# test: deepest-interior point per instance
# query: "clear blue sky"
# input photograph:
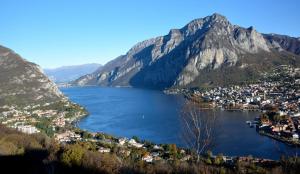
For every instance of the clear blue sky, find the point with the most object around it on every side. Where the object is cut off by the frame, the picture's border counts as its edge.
(53, 33)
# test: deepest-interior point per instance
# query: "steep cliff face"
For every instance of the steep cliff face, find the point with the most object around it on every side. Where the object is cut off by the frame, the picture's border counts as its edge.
(22, 82)
(199, 53)
(281, 42)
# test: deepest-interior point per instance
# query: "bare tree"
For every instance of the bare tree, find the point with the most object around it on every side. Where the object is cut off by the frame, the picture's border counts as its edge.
(197, 127)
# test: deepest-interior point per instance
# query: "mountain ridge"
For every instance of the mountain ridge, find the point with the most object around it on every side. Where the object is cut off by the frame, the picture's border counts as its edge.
(72, 72)
(185, 57)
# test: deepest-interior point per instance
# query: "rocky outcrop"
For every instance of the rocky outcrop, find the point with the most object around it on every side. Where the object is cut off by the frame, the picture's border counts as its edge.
(197, 54)
(23, 82)
(282, 42)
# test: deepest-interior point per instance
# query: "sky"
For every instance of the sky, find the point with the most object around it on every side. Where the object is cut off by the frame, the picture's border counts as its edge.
(54, 33)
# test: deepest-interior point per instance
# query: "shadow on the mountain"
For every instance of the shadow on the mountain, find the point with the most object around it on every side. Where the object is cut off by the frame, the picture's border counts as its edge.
(30, 162)
(35, 162)
(164, 72)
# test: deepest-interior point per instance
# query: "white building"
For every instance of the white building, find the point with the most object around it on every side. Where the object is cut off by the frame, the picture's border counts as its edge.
(28, 129)
(122, 141)
(135, 144)
(148, 158)
(104, 150)
(295, 136)
(157, 147)
(67, 136)
(296, 114)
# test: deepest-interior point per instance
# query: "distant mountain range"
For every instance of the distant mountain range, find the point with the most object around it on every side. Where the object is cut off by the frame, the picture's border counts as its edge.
(206, 52)
(69, 73)
(23, 83)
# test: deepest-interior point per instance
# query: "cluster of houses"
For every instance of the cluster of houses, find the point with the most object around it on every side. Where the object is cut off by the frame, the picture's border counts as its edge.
(45, 113)
(282, 127)
(7, 111)
(21, 118)
(125, 146)
(28, 129)
(235, 97)
(151, 153)
(59, 121)
(67, 136)
(131, 142)
(25, 119)
(279, 90)
(256, 161)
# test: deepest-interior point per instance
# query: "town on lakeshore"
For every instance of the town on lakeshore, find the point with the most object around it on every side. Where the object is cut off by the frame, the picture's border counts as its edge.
(276, 96)
(58, 120)
(150, 87)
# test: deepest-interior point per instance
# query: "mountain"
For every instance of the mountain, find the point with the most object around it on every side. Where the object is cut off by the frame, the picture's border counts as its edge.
(23, 82)
(69, 73)
(206, 52)
(282, 42)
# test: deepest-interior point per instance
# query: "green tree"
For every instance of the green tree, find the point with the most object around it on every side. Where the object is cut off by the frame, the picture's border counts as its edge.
(172, 148)
(72, 155)
(86, 135)
(209, 154)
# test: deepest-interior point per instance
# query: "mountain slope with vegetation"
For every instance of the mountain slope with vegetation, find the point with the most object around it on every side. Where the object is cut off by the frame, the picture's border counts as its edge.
(29, 100)
(23, 82)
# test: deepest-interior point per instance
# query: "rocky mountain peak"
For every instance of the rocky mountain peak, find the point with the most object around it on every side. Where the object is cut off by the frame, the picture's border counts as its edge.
(203, 24)
(217, 18)
(174, 32)
(141, 45)
(184, 56)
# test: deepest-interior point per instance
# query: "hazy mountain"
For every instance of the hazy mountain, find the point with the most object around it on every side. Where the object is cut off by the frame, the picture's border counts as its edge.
(207, 51)
(69, 73)
(23, 82)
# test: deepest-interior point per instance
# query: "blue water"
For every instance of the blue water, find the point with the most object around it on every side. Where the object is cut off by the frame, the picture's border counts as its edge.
(154, 116)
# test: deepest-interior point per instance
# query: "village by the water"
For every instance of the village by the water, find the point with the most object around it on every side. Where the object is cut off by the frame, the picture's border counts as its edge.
(277, 97)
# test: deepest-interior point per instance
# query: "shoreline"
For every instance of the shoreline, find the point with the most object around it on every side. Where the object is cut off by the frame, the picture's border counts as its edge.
(281, 139)
(78, 119)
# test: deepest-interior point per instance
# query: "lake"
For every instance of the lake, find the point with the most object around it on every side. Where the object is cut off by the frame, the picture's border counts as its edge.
(153, 115)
